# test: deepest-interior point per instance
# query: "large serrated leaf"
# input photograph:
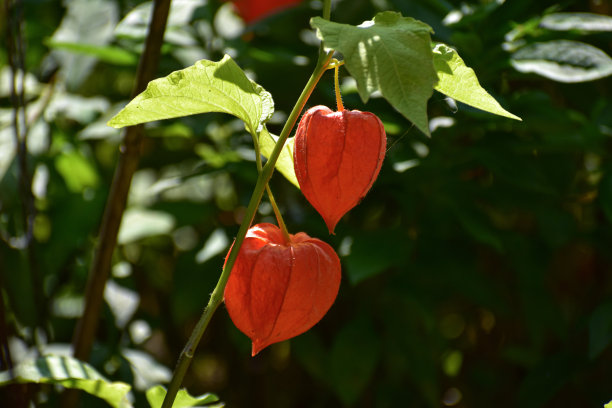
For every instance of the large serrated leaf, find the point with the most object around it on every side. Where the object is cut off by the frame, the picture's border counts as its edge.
(459, 81)
(70, 373)
(156, 395)
(206, 86)
(391, 54)
(563, 61)
(284, 164)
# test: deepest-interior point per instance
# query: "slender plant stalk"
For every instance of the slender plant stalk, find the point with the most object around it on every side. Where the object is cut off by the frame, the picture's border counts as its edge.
(339, 104)
(16, 59)
(262, 181)
(115, 205)
(277, 213)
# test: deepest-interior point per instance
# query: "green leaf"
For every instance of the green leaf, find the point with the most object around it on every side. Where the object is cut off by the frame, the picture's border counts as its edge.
(563, 61)
(459, 81)
(284, 164)
(206, 86)
(374, 252)
(577, 21)
(391, 54)
(608, 405)
(352, 362)
(106, 53)
(138, 223)
(70, 373)
(77, 171)
(605, 194)
(156, 395)
(600, 330)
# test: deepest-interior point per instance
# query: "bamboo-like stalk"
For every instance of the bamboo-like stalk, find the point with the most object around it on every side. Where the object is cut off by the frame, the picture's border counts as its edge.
(115, 204)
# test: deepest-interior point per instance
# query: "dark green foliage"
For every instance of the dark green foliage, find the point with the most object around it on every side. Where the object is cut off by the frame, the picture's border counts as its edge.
(480, 261)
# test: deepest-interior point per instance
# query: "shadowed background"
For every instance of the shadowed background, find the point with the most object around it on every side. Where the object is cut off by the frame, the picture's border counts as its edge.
(476, 272)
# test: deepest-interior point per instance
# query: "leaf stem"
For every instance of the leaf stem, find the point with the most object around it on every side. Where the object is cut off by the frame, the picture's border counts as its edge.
(339, 104)
(262, 181)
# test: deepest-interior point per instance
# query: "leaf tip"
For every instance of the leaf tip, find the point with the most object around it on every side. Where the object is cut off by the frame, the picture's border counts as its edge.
(115, 123)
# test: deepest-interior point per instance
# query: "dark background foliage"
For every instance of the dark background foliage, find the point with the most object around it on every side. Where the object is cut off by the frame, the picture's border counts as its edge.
(476, 273)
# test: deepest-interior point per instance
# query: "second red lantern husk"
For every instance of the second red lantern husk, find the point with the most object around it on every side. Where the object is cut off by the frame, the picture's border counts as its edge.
(278, 289)
(337, 158)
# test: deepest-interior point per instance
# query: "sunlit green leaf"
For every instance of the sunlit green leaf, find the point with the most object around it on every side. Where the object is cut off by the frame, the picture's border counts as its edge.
(135, 24)
(459, 81)
(87, 22)
(391, 54)
(563, 61)
(156, 395)
(138, 223)
(204, 87)
(577, 21)
(70, 373)
(146, 371)
(284, 164)
(77, 171)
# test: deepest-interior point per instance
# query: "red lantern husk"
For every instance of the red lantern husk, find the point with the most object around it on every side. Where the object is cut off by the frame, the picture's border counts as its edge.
(337, 157)
(277, 289)
(253, 10)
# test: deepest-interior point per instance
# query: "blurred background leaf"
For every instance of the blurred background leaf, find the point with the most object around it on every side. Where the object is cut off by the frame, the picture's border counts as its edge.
(476, 272)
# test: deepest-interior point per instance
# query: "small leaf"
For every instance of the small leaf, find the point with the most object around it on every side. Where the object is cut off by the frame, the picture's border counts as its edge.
(600, 330)
(156, 395)
(563, 61)
(459, 81)
(106, 53)
(138, 223)
(608, 405)
(391, 54)
(577, 21)
(284, 164)
(77, 171)
(70, 373)
(204, 87)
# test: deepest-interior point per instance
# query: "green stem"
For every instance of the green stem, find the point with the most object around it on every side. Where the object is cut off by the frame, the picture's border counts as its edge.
(262, 181)
(279, 216)
(277, 213)
(339, 105)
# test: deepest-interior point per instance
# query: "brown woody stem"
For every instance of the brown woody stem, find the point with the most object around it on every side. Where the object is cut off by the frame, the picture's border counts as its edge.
(115, 204)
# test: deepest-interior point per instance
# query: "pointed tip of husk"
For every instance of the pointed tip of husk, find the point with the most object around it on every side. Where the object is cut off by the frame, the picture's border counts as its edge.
(257, 347)
(331, 226)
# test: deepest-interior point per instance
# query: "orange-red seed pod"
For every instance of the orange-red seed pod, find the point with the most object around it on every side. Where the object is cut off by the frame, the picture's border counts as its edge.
(337, 157)
(277, 289)
(253, 10)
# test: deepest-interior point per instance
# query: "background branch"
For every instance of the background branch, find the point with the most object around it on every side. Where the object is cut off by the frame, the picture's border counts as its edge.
(116, 202)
